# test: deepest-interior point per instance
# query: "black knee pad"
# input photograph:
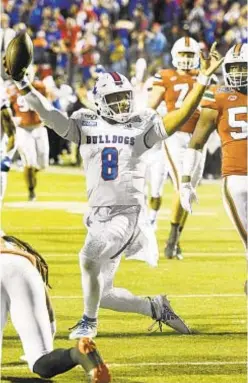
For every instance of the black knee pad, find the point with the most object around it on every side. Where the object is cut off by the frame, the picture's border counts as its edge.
(42, 368)
(56, 362)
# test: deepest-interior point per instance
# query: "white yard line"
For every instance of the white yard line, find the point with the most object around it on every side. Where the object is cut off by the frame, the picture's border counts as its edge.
(170, 296)
(176, 364)
(113, 365)
(190, 255)
(78, 207)
(52, 194)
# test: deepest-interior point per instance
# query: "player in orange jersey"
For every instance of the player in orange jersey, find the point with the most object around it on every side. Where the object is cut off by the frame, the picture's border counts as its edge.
(224, 108)
(32, 137)
(172, 86)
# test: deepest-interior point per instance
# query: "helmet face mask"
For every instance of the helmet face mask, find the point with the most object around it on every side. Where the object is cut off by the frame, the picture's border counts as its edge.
(185, 54)
(113, 96)
(186, 60)
(235, 69)
(119, 103)
(237, 75)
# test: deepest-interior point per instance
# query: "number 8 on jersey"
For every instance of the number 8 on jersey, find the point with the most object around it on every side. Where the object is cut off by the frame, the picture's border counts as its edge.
(109, 164)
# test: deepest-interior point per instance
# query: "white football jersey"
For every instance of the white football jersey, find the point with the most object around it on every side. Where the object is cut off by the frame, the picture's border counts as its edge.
(115, 171)
(114, 167)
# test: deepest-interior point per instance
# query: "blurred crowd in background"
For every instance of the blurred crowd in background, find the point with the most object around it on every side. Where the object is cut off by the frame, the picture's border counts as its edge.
(72, 38)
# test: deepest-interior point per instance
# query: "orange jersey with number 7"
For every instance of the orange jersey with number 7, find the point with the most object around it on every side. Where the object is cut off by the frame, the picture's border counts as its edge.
(232, 127)
(177, 86)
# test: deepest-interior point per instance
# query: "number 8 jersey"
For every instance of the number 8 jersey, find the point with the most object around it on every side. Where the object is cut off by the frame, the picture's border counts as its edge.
(112, 156)
(232, 126)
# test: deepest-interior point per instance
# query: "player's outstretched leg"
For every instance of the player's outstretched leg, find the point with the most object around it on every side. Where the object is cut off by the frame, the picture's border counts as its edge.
(85, 354)
(163, 313)
(158, 308)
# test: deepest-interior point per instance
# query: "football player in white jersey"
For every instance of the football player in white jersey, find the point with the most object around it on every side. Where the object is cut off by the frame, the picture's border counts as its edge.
(111, 144)
(7, 144)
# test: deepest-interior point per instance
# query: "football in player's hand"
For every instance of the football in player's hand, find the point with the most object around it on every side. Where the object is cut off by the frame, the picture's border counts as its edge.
(18, 57)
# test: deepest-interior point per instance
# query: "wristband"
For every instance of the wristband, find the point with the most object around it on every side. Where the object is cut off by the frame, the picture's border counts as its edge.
(203, 79)
(5, 164)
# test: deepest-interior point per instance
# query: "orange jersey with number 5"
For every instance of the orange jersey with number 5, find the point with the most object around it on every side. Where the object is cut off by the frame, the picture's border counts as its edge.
(21, 109)
(177, 86)
(232, 126)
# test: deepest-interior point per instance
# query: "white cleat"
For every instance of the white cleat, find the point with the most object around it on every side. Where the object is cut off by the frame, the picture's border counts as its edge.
(84, 328)
(163, 313)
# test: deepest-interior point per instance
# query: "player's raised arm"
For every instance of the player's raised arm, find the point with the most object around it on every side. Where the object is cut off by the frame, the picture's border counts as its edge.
(52, 117)
(175, 119)
(18, 57)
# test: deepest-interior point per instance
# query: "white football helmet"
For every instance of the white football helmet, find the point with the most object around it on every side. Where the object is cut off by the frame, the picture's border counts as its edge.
(184, 45)
(238, 54)
(113, 96)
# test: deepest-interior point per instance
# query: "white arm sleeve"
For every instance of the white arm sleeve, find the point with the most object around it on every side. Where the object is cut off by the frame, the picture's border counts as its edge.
(156, 133)
(191, 161)
(65, 127)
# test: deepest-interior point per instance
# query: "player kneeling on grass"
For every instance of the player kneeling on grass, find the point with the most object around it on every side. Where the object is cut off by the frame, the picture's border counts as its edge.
(24, 281)
(112, 142)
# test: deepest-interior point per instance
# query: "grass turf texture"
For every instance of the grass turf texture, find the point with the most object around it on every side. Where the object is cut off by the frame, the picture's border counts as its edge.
(206, 288)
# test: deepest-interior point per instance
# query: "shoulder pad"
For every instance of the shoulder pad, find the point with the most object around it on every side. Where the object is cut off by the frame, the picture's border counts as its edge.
(147, 113)
(84, 114)
(142, 118)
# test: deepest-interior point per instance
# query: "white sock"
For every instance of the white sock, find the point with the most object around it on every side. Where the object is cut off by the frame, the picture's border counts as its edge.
(118, 299)
(153, 215)
(92, 283)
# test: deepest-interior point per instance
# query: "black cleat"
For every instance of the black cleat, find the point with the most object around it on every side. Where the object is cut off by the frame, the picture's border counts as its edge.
(173, 250)
(170, 250)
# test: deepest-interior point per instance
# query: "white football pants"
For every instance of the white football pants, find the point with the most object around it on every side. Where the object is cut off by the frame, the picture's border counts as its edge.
(235, 193)
(33, 146)
(175, 148)
(112, 231)
(23, 296)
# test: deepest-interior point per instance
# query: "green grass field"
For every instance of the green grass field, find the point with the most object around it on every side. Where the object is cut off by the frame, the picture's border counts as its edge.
(206, 288)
